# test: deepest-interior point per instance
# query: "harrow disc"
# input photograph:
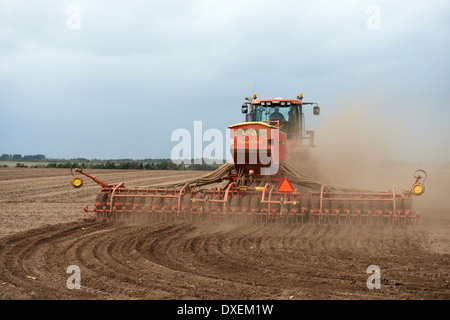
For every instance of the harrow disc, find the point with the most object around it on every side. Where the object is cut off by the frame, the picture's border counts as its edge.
(268, 206)
(239, 202)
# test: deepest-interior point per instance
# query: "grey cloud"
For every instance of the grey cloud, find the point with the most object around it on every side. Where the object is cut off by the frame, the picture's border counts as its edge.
(136, 61)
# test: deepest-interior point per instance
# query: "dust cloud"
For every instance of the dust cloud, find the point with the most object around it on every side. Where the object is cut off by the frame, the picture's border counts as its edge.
(355, 145)
(358, 146)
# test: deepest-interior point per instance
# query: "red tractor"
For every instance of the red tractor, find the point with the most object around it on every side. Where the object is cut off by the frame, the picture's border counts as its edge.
(273, 132)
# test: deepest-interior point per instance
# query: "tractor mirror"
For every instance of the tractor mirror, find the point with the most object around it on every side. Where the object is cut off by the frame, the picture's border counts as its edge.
(244, 108)
(316, 110)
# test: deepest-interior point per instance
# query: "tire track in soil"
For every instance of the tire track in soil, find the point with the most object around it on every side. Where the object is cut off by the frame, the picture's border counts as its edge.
(200, 261)
(23, 264)
(199, 265)
(190, 261)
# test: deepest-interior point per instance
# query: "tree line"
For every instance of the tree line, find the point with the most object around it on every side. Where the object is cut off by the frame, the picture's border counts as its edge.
(19, 157)
(135, 165)
(124, 164)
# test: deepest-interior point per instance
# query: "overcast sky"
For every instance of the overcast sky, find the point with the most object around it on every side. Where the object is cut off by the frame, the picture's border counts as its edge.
(114, 79)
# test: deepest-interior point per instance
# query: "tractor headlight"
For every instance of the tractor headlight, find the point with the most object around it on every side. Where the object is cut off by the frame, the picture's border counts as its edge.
(77, 182)
(418, 189)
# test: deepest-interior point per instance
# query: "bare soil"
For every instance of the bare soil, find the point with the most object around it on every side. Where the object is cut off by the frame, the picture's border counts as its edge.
(42, 233)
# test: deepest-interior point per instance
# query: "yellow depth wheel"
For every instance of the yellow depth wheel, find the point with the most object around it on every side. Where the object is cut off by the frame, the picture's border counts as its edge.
(418, 189)
(77, 182)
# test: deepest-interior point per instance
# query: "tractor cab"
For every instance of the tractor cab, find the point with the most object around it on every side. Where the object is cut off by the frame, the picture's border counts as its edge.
(285, 114)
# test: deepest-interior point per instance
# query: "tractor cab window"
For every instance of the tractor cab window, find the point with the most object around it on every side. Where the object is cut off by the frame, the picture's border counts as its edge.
(287, 115)
(273, 112)
(276, 115)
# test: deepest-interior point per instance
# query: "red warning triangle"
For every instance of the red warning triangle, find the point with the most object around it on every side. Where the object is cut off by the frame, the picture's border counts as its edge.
(285, 186)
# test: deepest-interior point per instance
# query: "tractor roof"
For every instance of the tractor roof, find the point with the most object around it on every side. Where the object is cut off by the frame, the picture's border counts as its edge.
(278, 101)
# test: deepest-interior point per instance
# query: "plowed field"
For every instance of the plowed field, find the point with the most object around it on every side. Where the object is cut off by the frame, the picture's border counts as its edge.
(42, 233)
